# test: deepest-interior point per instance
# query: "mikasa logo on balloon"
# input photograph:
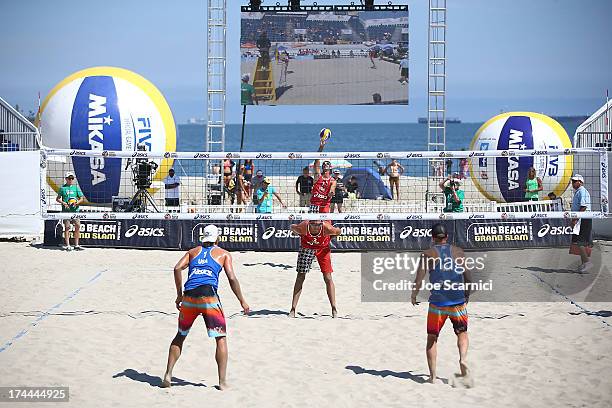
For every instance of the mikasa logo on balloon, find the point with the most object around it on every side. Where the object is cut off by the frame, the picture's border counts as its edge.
(106, 109)
(513, 132)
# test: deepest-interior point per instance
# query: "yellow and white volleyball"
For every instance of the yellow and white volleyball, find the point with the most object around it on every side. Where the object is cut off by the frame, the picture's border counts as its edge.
(105, 109)
(72, 202)
(502, 179)
(325, 134)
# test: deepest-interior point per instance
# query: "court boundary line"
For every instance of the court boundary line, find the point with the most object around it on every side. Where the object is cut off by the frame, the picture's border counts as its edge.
(49, 311)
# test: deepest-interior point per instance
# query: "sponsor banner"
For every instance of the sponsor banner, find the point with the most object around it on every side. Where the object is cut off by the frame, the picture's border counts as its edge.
(233, 235)
(523, 233)
(118, 233)
(358, 235)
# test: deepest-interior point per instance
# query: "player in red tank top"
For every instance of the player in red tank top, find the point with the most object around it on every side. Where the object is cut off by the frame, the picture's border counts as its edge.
(315, 237)
(324, 187)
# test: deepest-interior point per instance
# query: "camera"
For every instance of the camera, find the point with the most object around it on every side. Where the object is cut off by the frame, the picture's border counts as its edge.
(142, 171)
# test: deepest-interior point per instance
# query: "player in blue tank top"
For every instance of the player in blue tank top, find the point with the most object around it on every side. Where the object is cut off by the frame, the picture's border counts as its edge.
(200, 297)
(449, 296)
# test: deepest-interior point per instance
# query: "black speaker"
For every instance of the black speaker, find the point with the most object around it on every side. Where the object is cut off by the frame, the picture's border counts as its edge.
(121, 204)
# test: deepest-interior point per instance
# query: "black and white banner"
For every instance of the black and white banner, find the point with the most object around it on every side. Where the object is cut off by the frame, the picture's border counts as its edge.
(358, 235)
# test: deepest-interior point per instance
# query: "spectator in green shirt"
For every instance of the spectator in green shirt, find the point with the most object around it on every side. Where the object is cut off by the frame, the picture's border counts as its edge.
(247, 92)
(71, 197)
(453, 194)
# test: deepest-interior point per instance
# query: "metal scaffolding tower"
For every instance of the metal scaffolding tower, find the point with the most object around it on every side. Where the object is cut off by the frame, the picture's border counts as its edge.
(216, 82)
(436, 95)
(436, 76)
(216, 93)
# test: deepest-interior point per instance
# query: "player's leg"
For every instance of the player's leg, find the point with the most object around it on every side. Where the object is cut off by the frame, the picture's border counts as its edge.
(221, 358)
(324, 260)
(435, 320)
(431, 350)
(77, 232)
(304, 262)
(459, 319)
(66, 234)
(186, 318)
(173, 355)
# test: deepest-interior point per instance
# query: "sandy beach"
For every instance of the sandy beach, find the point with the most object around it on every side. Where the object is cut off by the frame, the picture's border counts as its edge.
(110, 317)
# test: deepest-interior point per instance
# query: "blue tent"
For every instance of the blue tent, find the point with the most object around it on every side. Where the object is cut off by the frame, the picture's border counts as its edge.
(370, 184)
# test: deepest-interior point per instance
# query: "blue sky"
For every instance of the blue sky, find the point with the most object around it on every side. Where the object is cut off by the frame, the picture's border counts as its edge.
(550, 56)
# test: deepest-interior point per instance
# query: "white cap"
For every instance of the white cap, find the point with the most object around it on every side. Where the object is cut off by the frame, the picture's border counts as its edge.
(69, 174)
(245, 77)
(578, 177)
(211, 233)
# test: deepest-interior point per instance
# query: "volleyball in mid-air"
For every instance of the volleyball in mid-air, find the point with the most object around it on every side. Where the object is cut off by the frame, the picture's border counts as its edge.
(325, 134)
(503, 179)
(105, 109)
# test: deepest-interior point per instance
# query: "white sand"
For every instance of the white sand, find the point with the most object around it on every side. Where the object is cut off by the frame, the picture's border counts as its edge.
(109, 342)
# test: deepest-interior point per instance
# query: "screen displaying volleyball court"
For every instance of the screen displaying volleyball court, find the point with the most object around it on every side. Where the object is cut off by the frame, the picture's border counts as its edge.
(324, 58)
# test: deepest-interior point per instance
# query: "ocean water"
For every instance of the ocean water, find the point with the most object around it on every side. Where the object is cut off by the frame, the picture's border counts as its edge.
(346, 137)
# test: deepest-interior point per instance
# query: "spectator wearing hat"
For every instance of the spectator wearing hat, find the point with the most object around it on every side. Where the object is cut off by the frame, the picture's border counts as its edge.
(265, 200)
(339, 194)
(256, 183)
(70, 197)
(581, 238)
(247, 91)
(451, 186)
(173, 193)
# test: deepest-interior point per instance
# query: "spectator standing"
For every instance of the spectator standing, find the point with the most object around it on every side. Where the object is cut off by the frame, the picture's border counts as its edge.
(339, 194)
(265, 197)
(453, 194)
(352, 187)
(173, 194)
(303, 187)
(582, 240)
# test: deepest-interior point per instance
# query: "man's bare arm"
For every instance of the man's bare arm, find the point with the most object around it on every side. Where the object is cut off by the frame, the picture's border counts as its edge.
(418, 280)
(299, 229)
(333, 231)
(233, 281)
(317, 162)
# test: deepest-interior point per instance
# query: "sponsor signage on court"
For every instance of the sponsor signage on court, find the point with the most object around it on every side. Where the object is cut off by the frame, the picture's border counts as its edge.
(357, 235)
(138, 233)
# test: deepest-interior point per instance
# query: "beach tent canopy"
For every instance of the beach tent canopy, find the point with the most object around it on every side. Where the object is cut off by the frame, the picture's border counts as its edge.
(370, 184)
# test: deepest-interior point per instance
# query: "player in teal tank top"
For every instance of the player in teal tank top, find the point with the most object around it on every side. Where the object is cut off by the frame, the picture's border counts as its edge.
(446, 266)
(200, 297)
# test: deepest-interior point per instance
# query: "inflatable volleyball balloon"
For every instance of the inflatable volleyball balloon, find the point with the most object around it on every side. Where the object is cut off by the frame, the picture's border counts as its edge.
(503, 179)
(105, 108)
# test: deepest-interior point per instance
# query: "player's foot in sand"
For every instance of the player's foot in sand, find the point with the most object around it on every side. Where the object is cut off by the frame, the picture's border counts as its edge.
(291, 313)
(465, 371)
(223, 386)
(334, 312)
(432, 380)
(166, 382)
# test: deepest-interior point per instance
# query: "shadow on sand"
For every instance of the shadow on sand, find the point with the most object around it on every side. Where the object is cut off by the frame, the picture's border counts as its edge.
(152, 380)
(407, 375)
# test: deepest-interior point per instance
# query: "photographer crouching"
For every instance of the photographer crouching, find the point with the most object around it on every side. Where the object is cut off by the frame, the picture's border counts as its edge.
(453, 194)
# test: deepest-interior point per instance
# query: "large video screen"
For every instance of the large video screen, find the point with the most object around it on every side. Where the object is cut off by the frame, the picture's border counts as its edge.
(324, 58)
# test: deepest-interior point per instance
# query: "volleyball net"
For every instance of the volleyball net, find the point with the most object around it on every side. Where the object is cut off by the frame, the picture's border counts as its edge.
(491, 184)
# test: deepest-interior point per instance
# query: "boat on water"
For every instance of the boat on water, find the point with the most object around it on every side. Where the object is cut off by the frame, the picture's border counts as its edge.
(448, 120)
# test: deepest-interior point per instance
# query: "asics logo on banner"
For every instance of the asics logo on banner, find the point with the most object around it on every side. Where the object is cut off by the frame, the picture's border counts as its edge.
(352, 155)
(202, 217)
(604, 170)
(352, 217)
(414, 217)
(280, 233)
(409, 155)
(548, 230)
(409, 231)
(264, 217)
(201, 156)
(77, 153)
(539, 152)
(144, 232)
(263, 156)
(140, 154)
(477, 154)
(538, 215)
(476, 216)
